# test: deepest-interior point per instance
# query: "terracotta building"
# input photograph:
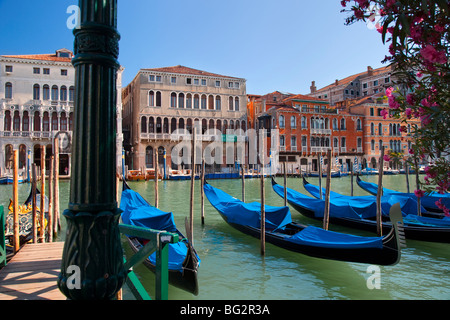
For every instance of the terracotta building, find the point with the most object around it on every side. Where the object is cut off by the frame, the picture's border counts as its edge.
(162, 102)
(307, 128)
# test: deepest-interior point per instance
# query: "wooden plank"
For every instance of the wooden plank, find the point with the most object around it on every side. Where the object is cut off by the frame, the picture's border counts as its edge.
(32, 273)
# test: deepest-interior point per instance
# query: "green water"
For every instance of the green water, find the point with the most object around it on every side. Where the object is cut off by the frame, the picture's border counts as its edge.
(233, 269)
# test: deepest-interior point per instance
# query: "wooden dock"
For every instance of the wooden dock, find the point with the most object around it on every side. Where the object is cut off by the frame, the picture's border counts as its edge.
(32, 273)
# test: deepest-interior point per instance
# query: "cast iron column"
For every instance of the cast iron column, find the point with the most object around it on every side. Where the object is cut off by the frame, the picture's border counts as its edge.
(92, 265)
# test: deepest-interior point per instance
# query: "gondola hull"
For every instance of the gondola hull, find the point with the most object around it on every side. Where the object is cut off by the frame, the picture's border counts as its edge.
(186, 280)
(387, 254)
(416, 232)
(184, 263)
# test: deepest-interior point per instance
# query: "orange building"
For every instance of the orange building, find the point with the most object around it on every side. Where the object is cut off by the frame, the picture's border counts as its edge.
(307, 128)
(391, 133)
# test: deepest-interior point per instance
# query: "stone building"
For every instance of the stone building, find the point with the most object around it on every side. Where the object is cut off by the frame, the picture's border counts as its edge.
(36, 105)
(159, 103)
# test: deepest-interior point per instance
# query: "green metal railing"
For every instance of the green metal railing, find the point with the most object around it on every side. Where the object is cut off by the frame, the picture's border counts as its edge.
(2, 239)
(158, 241)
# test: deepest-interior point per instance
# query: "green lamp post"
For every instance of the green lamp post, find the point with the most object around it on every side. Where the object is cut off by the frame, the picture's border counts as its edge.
(92, 263)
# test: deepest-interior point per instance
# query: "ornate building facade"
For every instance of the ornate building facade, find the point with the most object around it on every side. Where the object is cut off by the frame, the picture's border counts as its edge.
(160, 102)
(36, 105)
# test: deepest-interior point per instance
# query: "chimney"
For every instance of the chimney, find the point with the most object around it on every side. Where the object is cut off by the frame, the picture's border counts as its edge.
(336, 83)
(313, 87)
(370, 71)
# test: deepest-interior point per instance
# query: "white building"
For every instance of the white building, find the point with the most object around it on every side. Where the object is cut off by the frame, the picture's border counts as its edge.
(36, 105)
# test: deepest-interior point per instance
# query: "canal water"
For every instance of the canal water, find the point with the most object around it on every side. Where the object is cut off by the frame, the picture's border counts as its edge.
(232, 267)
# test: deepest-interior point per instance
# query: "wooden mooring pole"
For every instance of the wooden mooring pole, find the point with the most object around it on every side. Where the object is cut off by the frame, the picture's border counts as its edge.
(379, 194)
(419, 205)
(243, 183)
(202, 192)
(42, 200)
(56, 213)
(263, 200)
(16, 201)
(156, 179)
(285, 183)
(326, 214)
(34, 178)
(50, 201)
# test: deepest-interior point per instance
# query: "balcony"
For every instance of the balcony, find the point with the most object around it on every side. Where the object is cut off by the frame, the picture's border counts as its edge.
(321, 131)
(320, 149)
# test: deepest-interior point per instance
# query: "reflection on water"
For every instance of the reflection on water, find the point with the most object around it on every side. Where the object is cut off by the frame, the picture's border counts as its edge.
(232, 267)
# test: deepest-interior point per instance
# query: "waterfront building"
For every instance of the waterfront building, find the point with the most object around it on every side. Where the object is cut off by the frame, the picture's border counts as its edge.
(380, 131)
(161, 102)
(307, 128)
(36, 105)
(362, 84)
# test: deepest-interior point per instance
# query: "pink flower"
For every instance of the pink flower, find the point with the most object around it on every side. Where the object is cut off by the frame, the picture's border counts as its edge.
(384, 113)
(393, 104)
(410, 99)
(408, 112)
(411, 151)
(419, 193)
(389, 91)
(386, 158)
(430, 54)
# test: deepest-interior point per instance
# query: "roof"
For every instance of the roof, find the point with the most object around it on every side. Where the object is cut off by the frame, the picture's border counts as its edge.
(302, 97)
(353, 77)
(43, 57)
(179, 69)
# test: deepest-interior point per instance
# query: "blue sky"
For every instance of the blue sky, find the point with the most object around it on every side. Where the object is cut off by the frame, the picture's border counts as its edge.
(276, 45)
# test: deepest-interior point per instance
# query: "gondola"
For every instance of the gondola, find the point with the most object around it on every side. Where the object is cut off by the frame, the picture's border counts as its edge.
(25, 215)
(428, 201)
(362, 217)
(183, 259)
(308, 240)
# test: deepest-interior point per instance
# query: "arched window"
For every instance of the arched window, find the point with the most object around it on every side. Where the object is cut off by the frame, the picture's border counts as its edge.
(188, 101)
(196, 101)
(281, 121)
(46, 122)
(55, 93)
(211, 103)
(358, 124)
(63, 93)
(151, 125)
(63, 122)
(372, 129)
(218, 103)
(343, 127)
(293, 122)
(71, 93)
(304, 123)
(71, 121)
(16, 121)
(158, 125)
(7, 122)
(158, 99)
(166, 125)
(8, 90)
(372, 145)
(36, 92)
(25, 121)
(173, 100)
(151, 99)
(203, 101)
(236, 104)
(37, 121)
(144, 125)
(230, 104)
(181, 100)
(54, 121)
(149, 157)
(46, 92)
(380, 129)
(335, 124)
